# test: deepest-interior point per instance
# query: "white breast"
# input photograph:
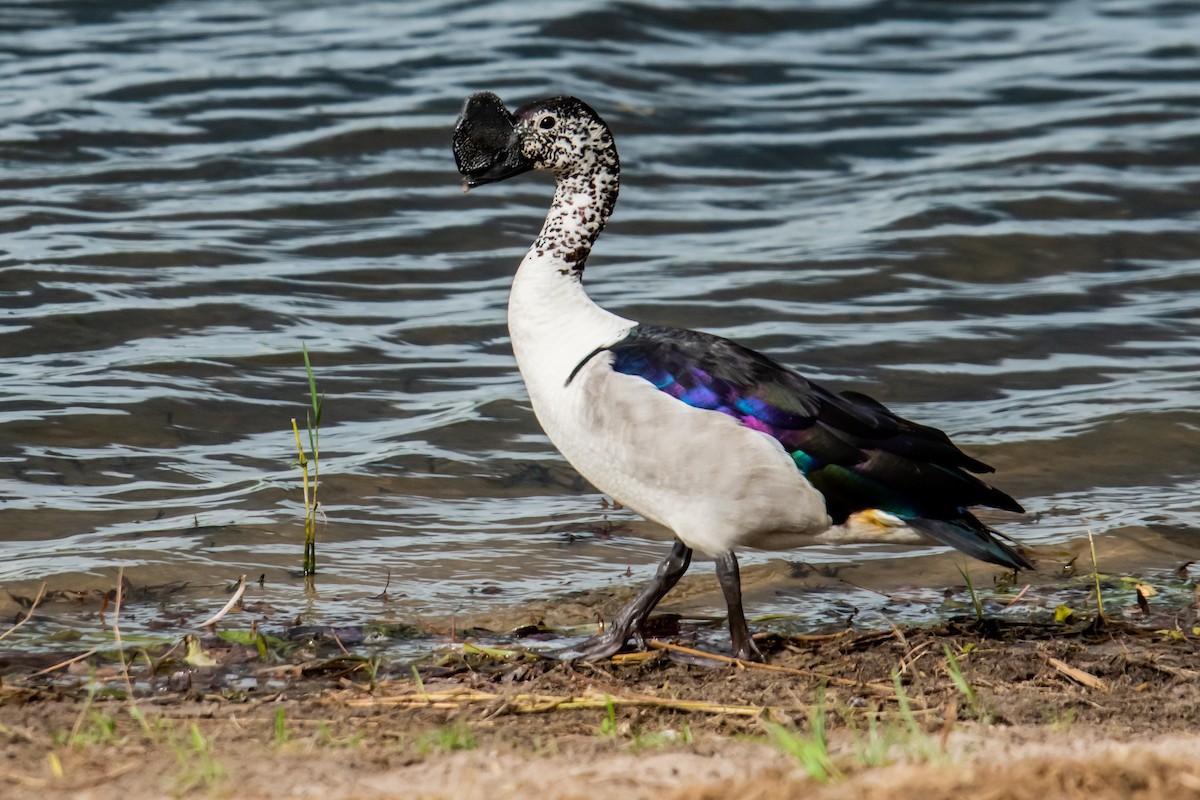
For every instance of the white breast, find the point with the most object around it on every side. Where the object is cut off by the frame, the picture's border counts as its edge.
(717, 484)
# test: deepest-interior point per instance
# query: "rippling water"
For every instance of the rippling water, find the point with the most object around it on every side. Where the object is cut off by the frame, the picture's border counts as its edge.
(986, 215)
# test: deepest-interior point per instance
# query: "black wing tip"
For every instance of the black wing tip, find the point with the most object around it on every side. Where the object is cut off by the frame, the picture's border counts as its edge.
(1003, 501)
(1014, 558)
(969, 535)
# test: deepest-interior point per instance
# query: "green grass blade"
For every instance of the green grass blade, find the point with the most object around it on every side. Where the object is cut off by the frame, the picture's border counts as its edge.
(312, 386)
(971, 591)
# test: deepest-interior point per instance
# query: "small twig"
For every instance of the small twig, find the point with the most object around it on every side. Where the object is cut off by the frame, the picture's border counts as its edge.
(661, 645)
(539, 703)
(384, 595)
(1020, 594)
(66, 663)
(914, 655)
(31, 781)
(816, 637)
(116, 627)
(24, 780)
(899, 634)
(41, 593)
(233, 601)
(635, 658)
(1079, 676)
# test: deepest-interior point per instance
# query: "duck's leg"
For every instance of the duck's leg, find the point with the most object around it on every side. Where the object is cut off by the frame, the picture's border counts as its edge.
(629, 619)
(731, 584)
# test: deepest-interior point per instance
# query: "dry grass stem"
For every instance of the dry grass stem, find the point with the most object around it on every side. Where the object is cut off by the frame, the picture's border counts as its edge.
(41, 593)
(116, 628)
(817, 637)
(1020, 594)
(1079, 676)
(66, 663)
(677, 648)
(233, 601)
(420, 697)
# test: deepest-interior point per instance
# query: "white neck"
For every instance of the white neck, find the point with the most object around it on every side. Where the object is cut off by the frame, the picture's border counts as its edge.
(553, 323)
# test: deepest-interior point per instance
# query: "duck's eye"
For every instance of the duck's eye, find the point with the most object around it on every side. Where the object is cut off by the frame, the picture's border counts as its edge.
(547, 122)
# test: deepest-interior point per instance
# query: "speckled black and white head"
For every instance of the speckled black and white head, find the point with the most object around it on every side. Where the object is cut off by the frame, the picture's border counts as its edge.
(559, 135)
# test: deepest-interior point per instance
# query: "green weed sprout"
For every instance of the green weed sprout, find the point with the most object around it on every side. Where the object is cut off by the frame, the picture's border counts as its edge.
(810, 752)
(608, 726)
(313, 419)
(964, 687)
(971, 591)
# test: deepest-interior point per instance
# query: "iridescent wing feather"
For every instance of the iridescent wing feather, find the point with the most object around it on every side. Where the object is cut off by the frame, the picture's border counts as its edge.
(855, 451)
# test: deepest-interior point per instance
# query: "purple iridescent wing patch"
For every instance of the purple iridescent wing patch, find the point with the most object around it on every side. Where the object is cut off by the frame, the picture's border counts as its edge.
(852, 449)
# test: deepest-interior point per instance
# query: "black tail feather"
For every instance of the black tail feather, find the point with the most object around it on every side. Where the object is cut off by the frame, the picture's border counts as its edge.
(973, 538)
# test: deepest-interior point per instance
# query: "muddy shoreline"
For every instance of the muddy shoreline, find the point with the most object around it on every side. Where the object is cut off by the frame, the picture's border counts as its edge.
(1091, 708)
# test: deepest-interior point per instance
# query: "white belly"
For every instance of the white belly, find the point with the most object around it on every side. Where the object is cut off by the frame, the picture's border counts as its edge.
(717, 484)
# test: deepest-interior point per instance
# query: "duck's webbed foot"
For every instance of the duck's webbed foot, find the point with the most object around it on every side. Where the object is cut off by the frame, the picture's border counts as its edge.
(603, 645)
(730, 579)
(628, 621)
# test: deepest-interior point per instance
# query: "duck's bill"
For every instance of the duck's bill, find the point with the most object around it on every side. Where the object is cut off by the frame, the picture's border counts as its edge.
(485, 145)
(506, 167)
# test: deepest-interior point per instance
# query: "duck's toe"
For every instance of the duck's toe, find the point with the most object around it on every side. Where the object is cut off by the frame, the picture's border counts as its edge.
(602, 645)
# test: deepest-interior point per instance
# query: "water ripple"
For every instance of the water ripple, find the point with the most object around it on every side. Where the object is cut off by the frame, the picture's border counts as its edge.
(983, 214)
